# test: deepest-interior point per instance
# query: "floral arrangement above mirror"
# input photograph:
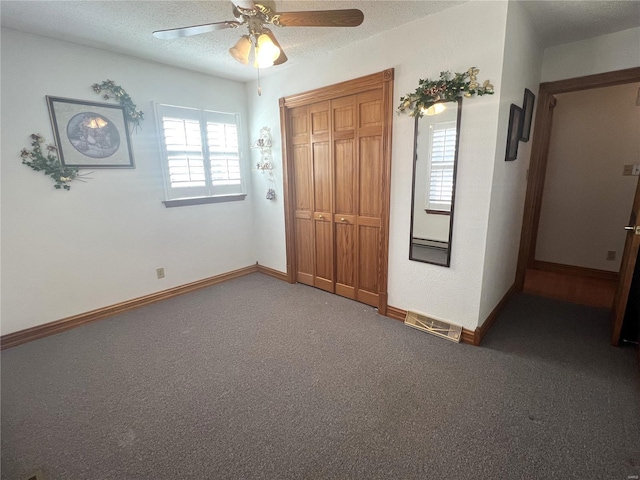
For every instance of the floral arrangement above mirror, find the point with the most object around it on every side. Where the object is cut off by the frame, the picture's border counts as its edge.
(447, 88)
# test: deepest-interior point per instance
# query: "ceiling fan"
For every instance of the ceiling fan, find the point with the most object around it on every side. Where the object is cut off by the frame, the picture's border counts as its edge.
(260, 39)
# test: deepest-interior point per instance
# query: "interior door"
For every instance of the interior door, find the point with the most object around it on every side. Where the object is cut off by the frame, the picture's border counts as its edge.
(629, 257)
(369, 139)
(302, 195)
(322, 195)
(344, 112)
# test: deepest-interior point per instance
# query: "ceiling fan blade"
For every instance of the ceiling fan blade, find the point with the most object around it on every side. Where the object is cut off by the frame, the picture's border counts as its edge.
(320, 18)
(194, 30)
(283, 57)
(244, 4)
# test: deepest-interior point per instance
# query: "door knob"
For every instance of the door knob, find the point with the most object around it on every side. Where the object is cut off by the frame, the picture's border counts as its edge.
(342, 219)
(633, 228)
(629, 227)
(320, 216)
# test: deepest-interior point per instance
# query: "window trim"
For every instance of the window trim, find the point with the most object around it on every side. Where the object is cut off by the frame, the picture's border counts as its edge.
(224, 193)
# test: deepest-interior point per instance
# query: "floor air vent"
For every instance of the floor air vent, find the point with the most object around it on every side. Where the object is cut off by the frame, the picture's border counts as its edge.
(433, 326)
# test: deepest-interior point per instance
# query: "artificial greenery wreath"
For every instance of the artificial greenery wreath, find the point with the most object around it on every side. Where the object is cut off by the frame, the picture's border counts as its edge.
(49, 163)
(445, 89)
(109, 89)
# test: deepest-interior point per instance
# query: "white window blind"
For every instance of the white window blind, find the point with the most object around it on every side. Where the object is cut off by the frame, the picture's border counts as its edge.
(443, 153)
(202, 152)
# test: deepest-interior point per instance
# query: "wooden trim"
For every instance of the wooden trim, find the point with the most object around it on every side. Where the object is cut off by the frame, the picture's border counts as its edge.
(482, 330)
(272, 273)
(599, 80)
(387, 134)
(288, 194)
(343, 89)
(469, 337)
(540, 149)
(573, 270)
(185, 202)
(396, 313)
(58, 326)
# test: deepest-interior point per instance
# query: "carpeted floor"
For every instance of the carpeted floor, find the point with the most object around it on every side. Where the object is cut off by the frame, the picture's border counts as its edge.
(256, 378)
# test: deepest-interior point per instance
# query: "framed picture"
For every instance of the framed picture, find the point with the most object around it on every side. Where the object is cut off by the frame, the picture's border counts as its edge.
(513, 135)
(527, 106)
(89, 134)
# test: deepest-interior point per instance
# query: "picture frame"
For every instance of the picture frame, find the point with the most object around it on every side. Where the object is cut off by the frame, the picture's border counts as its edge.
(527, 107)
(514, 132)
(90, 134)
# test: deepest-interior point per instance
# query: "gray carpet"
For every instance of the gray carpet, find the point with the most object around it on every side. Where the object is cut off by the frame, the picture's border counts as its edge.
(256, 378)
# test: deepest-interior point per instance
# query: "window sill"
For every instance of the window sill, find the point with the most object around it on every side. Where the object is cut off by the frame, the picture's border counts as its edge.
(185, 202)
(437, 212)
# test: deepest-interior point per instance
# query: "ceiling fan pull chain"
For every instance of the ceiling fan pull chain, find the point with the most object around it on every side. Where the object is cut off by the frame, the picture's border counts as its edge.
(259, 87)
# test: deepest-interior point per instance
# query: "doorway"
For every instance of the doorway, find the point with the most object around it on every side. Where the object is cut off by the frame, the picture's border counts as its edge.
(612, 287)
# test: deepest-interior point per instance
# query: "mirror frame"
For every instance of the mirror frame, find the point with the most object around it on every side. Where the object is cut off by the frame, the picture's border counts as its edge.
(453, 195)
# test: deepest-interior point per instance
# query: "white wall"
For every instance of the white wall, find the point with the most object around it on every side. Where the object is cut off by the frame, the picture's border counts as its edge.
(606, 53)
(65, 253)
(586, 198)
(471, 34)
(522, 63)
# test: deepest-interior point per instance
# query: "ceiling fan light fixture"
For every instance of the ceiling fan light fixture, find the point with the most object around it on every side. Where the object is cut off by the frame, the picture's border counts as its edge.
(282, 57)
(266, 52)
(240, 51)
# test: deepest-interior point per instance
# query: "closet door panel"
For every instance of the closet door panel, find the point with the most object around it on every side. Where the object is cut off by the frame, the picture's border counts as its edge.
(324, 254)
(345, 255)
(368, 264)
(303, 194)
(346, 176)
(370, 164)
(322, 195)
(322, 177)
(344, 115)
(305, 250)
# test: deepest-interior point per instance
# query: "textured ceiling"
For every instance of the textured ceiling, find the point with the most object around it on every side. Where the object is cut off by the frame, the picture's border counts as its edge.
(560, 22)
(126, 26)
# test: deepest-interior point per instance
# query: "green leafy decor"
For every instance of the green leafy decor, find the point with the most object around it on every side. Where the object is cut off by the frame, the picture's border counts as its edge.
(49, 163)
(108, 89)
(447, 88)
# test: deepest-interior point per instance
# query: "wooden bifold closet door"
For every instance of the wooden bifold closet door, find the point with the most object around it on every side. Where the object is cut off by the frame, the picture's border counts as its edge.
(338, 182)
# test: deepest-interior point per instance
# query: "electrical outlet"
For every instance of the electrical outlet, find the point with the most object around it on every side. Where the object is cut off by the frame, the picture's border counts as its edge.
(611, 255)
(160, 272)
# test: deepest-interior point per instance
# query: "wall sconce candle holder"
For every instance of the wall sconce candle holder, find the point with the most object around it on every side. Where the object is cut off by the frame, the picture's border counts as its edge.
(265, 164)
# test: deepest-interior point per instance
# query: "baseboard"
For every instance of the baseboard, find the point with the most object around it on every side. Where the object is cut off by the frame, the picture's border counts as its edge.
(273, 273)
(573, 270)
(58, 326)
(482, 330)
(396, 313)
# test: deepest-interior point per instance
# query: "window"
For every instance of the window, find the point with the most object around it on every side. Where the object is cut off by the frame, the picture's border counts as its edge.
(443, 154)
(202, 154)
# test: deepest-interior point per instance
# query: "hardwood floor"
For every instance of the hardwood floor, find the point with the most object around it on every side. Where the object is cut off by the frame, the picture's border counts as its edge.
(571, 287)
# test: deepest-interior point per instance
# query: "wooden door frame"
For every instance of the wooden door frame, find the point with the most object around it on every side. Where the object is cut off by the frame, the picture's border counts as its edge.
(540, 150)
(383, 80)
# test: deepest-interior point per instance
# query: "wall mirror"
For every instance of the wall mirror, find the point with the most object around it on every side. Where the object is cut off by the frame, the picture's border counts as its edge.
(435, 157)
